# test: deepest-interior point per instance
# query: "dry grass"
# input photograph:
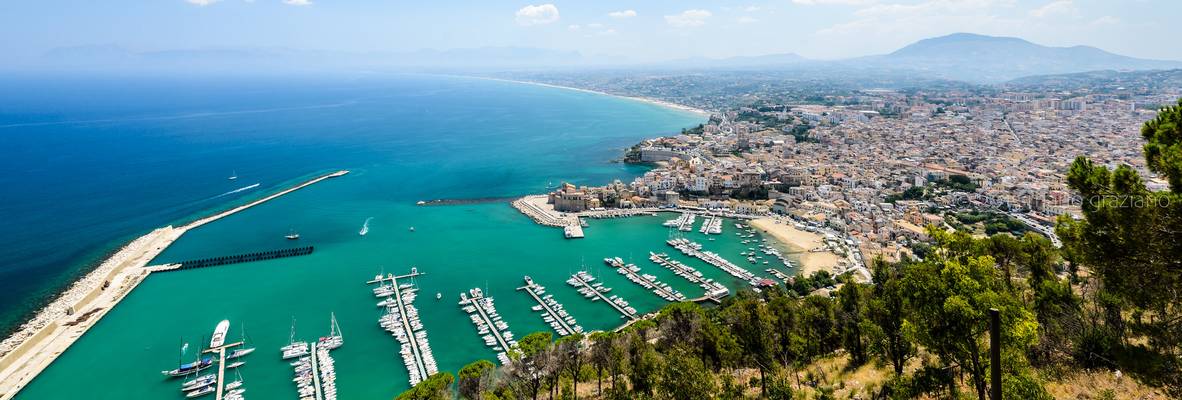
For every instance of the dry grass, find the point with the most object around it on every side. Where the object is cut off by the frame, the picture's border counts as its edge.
(1095, 385)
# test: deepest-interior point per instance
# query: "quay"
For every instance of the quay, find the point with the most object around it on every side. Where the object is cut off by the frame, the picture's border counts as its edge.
(632, 272)
(28, 351)
(483, 314)
(565, 325)
(582, 282)
(402, 321)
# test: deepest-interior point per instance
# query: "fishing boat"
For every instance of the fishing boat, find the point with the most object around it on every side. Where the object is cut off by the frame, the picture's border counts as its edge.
(233, 175)
(292, 235)
(438, 295)
(219, 334)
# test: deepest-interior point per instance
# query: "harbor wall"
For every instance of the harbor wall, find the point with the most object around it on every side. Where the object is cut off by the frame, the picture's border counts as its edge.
(25, 347)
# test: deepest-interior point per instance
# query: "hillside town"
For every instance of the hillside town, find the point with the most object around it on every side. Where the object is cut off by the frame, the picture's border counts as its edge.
(883, 165)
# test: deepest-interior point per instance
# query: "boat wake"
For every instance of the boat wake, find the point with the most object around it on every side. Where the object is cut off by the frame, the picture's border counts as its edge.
(241, 189)
(365, 227)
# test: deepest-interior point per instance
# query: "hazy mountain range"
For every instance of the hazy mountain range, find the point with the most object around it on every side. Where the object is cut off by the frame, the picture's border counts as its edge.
(960, 56)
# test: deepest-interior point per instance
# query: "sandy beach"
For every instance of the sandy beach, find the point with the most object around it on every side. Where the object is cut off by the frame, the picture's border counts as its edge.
(801, 242)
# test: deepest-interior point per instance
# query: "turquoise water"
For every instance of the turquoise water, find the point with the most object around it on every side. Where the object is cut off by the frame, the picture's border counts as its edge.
(404, 140)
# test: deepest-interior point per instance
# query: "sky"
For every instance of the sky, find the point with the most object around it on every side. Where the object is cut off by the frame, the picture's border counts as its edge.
(628, 31)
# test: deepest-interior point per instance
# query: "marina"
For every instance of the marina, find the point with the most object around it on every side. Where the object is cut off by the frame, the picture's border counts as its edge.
(647, 281)
(684, 222)
(553, 313)
(489, 325)
(712, 225)
(692, 249)
(218, 386)
(713, 290)
(583, 282)
(314, 368)
(401, 319)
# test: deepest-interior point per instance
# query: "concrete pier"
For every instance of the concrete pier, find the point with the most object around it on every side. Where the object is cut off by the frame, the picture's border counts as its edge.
(530, 288)
(416, 351)
(582, 283)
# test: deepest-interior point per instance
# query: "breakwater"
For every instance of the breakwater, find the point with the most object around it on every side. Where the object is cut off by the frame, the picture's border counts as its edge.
(242, 258)
(458, 202)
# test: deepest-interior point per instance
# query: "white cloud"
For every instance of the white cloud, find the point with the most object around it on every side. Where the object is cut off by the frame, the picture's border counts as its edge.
(537, 15)
(574, 27)
(622, 14)
(1055, 9)
(688, 19)
(746, 20)
(594, 25)
(298, 2)
(202, 3)
(751, 8)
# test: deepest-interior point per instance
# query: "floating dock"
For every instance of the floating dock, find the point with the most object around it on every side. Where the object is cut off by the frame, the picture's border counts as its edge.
(221, 352)
(553, 312)
(692, 249)
(712, 225)
(582, 281)
(650, 282)
(488, 323)
(402, 321)
(684, 222)
(779, 275)
(713, 290)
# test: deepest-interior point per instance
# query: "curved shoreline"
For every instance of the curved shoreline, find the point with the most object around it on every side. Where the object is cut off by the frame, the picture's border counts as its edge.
(662, 103)
(38, 342)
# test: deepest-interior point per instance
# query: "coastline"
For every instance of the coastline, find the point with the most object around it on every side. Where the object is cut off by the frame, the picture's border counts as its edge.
(38, 342)
(800, 242)
(662, 103)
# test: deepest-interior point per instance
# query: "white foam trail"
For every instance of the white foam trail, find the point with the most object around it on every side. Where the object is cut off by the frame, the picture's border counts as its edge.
(184, 348)
(365, 227)
(244, 188)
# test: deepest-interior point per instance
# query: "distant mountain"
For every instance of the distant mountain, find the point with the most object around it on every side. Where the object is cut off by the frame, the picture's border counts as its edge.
(981, 58)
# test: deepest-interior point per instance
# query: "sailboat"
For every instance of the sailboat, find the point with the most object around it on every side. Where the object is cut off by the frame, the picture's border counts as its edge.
(241, 351)
(294, 349)
(292, 235)
(334, 338)
(233, 175)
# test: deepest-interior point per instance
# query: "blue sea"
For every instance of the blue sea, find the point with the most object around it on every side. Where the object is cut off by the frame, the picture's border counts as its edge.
(92, 161)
